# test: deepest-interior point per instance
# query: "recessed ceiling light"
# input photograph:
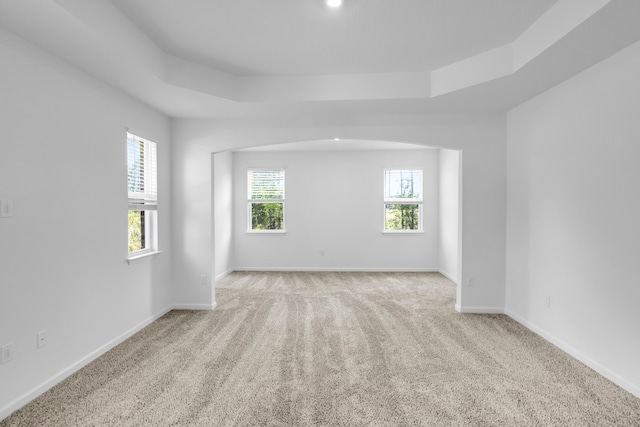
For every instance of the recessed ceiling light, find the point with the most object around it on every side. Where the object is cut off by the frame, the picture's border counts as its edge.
(336, 139)
(334, 3)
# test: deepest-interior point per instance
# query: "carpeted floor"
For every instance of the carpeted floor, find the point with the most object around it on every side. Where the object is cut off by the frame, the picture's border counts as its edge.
(335, 349)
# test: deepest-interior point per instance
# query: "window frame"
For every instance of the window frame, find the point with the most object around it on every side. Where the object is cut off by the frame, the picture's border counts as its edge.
(251, 201)
(387, 200)
(146, 200)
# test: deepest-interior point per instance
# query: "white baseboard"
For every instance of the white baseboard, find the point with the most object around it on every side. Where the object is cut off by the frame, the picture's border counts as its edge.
(449, 276)
(37, 391)
(208, 307)
(605, 372)
(340, 269)
(51, 382)
(223, 275)
(479, 310)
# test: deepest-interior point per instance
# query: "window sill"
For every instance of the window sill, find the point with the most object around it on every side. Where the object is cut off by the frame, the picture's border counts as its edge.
(142, 257)
(267, 232)
(399, 232)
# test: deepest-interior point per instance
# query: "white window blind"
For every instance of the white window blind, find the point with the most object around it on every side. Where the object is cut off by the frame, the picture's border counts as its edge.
(142, 180)
(265, 184)
(403, 186)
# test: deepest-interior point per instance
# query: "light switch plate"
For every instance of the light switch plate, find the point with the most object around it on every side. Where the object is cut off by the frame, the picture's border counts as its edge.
(6, 353)
(6, 208)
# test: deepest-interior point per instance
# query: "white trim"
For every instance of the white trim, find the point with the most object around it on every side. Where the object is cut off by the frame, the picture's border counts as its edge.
(283, 231)
(449, 276)
(479, 310)
(340, 269)
(605, 372)
(461, 252)
(51, 382)
(403, 232)
(223, 275)
(141, 257)
(205, 307)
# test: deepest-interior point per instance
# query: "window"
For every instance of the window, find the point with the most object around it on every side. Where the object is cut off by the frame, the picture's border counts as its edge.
(143, 195)
(265, 195)
(403, 200)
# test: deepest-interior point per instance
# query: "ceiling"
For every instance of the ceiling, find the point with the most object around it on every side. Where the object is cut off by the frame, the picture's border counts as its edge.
(339, 145)
(294, 37)
(285, 59)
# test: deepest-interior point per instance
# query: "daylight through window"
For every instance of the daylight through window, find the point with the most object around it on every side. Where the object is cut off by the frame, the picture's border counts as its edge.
(403, 200)
(143, 194)
(265, 195)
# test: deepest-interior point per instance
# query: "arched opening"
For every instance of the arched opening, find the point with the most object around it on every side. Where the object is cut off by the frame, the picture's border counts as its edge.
(336, 230)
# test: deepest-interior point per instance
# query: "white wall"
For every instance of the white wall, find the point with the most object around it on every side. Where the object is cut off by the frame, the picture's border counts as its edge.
(573, 232)
(62, 255)
(481, 138)
(223, 213)
(334, 204)
(448, 211)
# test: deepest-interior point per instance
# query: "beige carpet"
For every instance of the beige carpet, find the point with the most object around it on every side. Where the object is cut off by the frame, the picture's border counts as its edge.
(335, 349)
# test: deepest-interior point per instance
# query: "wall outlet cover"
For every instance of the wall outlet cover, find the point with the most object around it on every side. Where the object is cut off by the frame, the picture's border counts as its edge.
(6, 354)
(41, 339)
(6, 208)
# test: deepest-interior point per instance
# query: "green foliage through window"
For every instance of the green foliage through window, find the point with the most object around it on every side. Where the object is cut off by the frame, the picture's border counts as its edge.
(136, 231)
(267, 216)
(402, 217)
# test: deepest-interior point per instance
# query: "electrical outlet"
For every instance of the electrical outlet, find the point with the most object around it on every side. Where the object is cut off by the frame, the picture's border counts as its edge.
(41, 339)
(471, 282)
(6, 354)
(203, 280)
(321, 252)
(6, 208)
(547, 301)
